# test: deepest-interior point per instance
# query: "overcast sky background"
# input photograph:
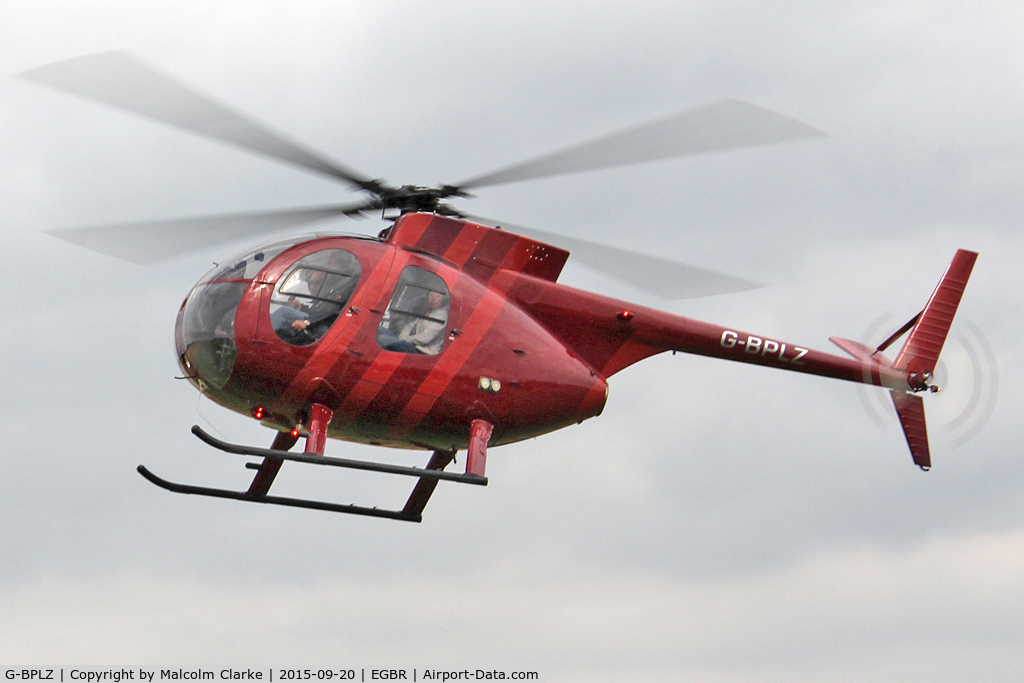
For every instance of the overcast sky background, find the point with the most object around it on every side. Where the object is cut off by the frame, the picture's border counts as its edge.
(719, 522)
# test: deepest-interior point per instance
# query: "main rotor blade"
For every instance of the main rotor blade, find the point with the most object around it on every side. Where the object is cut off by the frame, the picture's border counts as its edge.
(120, 80)
(722, 125)
(669, 279)
(154, 241)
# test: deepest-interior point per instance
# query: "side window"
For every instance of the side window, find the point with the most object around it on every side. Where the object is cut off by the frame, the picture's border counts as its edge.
(311, 295)
(417, 316)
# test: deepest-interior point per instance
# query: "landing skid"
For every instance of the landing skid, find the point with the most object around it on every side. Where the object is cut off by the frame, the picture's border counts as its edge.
(314, 459)
(315, 440)
(276, 500)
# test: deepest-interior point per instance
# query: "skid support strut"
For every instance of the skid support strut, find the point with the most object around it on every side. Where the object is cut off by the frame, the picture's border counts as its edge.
(316, 438)
(476, 457)
(268, 469)
(319, 417)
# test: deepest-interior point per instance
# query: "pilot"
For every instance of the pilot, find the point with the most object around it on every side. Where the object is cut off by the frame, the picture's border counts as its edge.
(424, 334)
(328, 303)
(290, 319)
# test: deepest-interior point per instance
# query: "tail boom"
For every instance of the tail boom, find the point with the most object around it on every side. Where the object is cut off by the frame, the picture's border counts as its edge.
(612, 335)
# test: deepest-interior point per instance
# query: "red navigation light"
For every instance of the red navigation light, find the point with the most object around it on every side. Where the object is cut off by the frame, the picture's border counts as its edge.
(625, 315)
(295, 433)
(258, 412)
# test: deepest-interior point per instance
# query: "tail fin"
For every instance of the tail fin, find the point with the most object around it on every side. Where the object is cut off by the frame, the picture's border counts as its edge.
(910, 409)
(921, 352)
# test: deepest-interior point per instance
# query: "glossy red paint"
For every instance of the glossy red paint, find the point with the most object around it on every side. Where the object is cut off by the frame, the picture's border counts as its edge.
(319, 417)
(406, 399)
(476, 456)
(522, 353)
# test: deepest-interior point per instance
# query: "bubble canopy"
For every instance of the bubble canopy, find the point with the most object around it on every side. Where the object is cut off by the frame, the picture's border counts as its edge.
(208, 319)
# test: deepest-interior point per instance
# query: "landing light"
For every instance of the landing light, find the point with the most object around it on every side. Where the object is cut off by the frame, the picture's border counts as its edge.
(488, 384)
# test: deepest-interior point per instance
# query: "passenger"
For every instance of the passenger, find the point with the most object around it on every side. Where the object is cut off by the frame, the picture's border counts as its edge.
(424, 334)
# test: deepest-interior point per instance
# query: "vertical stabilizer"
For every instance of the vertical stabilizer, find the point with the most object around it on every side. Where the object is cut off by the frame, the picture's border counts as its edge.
(921, 352)
(910, 409)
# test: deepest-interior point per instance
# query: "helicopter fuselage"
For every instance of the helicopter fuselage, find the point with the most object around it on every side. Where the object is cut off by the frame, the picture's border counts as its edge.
(494, 361)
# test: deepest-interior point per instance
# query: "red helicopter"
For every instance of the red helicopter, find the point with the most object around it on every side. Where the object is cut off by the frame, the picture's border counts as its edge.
(442, 333)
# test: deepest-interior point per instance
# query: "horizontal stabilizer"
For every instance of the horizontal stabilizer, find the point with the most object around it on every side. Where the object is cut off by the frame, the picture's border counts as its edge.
(861, 352)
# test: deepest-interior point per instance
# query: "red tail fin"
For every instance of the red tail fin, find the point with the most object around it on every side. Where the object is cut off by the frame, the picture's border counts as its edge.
(921, 352)
(910, 408)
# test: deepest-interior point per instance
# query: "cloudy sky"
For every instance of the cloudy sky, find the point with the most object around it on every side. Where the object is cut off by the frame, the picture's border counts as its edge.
(718, 522)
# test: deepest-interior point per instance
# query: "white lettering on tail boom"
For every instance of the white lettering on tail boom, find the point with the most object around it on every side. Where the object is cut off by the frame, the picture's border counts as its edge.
(759, 346)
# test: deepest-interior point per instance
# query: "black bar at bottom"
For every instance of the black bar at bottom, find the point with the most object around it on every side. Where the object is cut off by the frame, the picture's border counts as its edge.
(277, 500)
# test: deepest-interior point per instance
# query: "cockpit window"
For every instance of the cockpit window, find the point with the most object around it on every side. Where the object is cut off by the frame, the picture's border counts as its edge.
(208, 328)
(246, 265)
(310, 296)
(416, 319)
